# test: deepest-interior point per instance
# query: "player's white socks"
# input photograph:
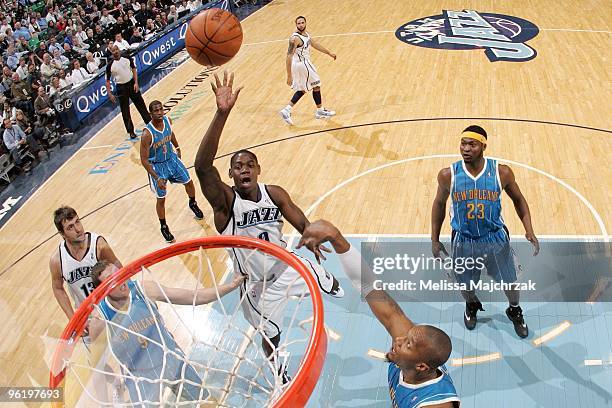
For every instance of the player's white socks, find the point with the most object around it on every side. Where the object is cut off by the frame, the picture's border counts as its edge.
(288, 108)
(362, 280)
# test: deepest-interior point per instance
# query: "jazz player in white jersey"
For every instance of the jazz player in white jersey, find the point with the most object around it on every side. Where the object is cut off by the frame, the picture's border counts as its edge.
(71, 264)
(254, 210)
(72, 261)
(302, 75)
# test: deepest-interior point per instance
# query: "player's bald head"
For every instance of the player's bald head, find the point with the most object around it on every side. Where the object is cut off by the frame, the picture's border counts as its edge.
(435, 345)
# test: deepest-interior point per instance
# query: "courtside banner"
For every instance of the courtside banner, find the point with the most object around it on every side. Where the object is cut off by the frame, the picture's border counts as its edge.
(95, 94)
(563, 271)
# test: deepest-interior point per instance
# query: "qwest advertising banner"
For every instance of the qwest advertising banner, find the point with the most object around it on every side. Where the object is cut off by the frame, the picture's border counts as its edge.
(95, 94)
(162, 48)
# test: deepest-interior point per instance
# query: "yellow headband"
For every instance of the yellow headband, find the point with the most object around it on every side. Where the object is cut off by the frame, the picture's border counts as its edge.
(475, 136)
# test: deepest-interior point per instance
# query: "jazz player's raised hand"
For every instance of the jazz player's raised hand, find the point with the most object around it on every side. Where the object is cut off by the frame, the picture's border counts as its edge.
(226, 98)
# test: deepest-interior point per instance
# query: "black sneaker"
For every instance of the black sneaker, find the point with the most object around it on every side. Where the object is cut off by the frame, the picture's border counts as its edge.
(336, 291)
(282, 373)
(165, 230)
(196, 210)
(515, 314)
(469, 317)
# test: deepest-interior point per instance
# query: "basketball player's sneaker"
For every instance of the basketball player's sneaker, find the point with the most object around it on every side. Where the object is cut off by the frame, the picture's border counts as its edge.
(282, 373)
(286, 115)
(515, 314)
(469, 317)
(324, 113)
(196, 210)
(336, 291)
(165, 230)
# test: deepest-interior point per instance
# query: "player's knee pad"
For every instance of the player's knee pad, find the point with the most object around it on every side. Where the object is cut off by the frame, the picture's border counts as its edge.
(316, 95)
(297, 96)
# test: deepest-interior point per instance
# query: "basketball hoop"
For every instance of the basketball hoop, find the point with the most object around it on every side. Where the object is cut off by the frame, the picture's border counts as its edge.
(313, 347)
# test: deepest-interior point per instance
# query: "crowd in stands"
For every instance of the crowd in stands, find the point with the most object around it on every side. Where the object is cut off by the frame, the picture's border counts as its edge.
(51, 47)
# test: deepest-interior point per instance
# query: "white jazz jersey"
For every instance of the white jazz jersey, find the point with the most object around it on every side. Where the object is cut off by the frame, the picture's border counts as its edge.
(263, 220)
(77, 274)
(302, 53)
(303, 72)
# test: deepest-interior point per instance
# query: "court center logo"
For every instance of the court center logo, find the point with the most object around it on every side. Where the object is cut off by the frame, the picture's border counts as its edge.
(502, 37)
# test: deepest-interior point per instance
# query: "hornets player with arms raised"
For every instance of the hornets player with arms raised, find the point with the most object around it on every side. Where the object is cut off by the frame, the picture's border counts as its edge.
(160, 155)
(151, 354)
(475, 185)
(255, 210)
(416, 374)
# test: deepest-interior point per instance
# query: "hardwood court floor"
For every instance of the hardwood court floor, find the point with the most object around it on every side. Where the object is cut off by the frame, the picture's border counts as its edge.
(397, 105)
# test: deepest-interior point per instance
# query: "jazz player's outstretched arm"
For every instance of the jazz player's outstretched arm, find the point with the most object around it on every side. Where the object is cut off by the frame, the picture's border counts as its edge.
(438, 210)
(218, 194)
(386, 310)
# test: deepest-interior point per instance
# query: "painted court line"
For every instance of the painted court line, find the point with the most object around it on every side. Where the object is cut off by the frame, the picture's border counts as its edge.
(485, 358)
(552, 333)
(96, 147)
(332, 334)
(576, 31)
(514, 236)
(379, 355)
(571, 30)
(339, 186)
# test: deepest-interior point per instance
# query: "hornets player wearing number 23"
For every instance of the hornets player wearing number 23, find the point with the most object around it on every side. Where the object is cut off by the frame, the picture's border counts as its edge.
(160, 155)
(475, 185)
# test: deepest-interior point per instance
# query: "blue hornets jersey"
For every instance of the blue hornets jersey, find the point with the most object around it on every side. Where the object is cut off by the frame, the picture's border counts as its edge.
(139, 354)
(476, 201)
(436, 391)
(161, 148)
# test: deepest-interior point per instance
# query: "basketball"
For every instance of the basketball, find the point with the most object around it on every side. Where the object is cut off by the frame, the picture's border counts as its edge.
(214, 36)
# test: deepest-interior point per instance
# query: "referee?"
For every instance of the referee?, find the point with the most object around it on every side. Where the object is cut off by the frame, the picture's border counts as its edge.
(124, 73)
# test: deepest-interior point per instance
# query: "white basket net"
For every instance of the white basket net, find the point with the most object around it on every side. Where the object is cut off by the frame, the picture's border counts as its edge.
(186, 355)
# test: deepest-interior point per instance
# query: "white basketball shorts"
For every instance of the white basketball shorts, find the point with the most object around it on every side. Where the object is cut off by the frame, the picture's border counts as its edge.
(304, 75)
(265, 302)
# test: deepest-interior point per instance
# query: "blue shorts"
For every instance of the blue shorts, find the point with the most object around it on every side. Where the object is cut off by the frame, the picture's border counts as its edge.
(491, 251)
(172, 170)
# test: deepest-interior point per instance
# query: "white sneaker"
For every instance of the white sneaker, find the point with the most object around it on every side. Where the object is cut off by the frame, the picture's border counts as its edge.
(286, 115)
(324, 113)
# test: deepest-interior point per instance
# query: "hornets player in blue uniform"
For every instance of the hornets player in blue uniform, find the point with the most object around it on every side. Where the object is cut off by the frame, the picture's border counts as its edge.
(143, 360)
(416, 374)
(160, 155)
(475, 184)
